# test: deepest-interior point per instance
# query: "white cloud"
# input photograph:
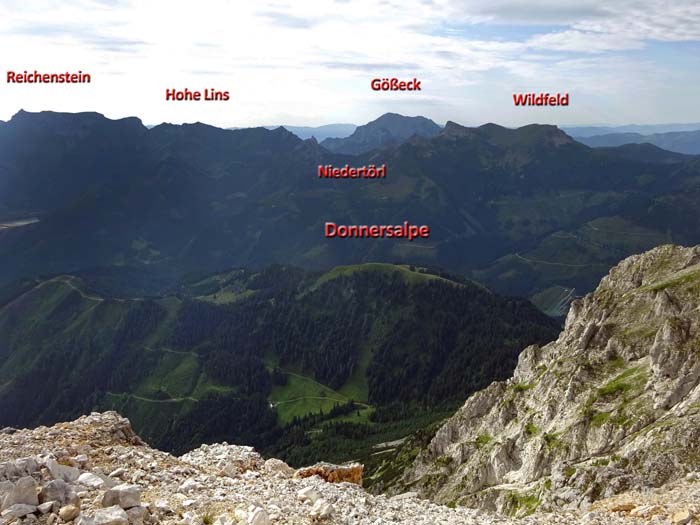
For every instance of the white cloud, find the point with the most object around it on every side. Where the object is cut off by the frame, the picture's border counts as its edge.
(311, 62)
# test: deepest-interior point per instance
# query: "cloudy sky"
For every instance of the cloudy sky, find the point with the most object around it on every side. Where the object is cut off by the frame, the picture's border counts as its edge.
(311, 62)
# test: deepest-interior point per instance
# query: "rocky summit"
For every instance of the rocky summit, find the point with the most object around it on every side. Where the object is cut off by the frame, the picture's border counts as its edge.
(611, 406)
(97, 471)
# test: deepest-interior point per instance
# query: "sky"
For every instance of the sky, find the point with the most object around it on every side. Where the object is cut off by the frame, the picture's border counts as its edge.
(312, 62)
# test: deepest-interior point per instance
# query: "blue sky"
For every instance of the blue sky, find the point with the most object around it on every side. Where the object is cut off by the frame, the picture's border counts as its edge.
(311, 62)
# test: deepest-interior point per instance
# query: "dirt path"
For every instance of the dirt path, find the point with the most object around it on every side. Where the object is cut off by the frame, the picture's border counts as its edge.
(149, 400)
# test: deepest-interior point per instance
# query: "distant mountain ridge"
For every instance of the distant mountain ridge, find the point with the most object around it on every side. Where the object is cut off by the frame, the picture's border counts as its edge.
(318, 132)
(388, 130)
(687, 142)
(526, 211)
(643, 129)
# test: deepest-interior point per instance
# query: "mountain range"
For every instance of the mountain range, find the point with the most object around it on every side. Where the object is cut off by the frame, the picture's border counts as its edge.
(317, 132)
(345, 130)
(180, 275)
(526, 211)
(687, 142)
(643, 129)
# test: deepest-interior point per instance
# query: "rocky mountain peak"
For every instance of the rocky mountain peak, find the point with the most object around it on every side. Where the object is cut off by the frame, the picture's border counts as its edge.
(55, 119)
(601, 410)
(454, 130)
(391, 129)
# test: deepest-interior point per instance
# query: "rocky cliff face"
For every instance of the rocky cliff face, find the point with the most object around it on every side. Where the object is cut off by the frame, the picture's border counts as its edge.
(612, 405)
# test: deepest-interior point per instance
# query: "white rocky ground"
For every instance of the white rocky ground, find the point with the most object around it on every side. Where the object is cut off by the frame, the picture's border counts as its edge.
(96, 471)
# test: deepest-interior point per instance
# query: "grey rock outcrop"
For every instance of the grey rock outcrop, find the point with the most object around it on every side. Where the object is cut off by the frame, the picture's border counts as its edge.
(62, 472)
(124, 496)
(18, 510)
(114, 515)
(60, 491)
(612, 405)
(24, 492)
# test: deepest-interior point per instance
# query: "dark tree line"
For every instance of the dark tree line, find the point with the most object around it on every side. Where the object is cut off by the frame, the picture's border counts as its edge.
(433, 342)
(76, 369)
(456, 341)
(247, 421)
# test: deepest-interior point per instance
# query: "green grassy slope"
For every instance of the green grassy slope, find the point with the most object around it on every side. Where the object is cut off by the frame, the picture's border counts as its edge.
(307, 365)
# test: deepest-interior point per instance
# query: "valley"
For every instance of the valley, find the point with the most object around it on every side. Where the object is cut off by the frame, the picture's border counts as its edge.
(305, 365)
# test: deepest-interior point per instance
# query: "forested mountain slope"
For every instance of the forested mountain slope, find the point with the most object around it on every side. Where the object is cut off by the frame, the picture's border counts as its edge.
(246, 356)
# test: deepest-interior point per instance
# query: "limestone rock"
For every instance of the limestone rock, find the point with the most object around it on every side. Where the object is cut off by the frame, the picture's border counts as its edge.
(62, 472)
(124, 496)
(263, 496)
(321, 510)
(18, 510)
(136, 515)
(241, 515)
(60, 491)
(163, 506)
(113, 515)
(231, 460)
(117, 473)
(88, 479)
(258, 516)
(647, 511)
(23, 491)
(47, 507)
(279, 467)
(190, 485)
(681, 517)
(308, 494)
(82, 519)
(26, 466)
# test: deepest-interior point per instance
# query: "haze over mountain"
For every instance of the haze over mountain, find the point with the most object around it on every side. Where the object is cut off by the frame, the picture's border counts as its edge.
(388, 130)
(318, 132)
(643, 129)
(687, 142)
(528, 211)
